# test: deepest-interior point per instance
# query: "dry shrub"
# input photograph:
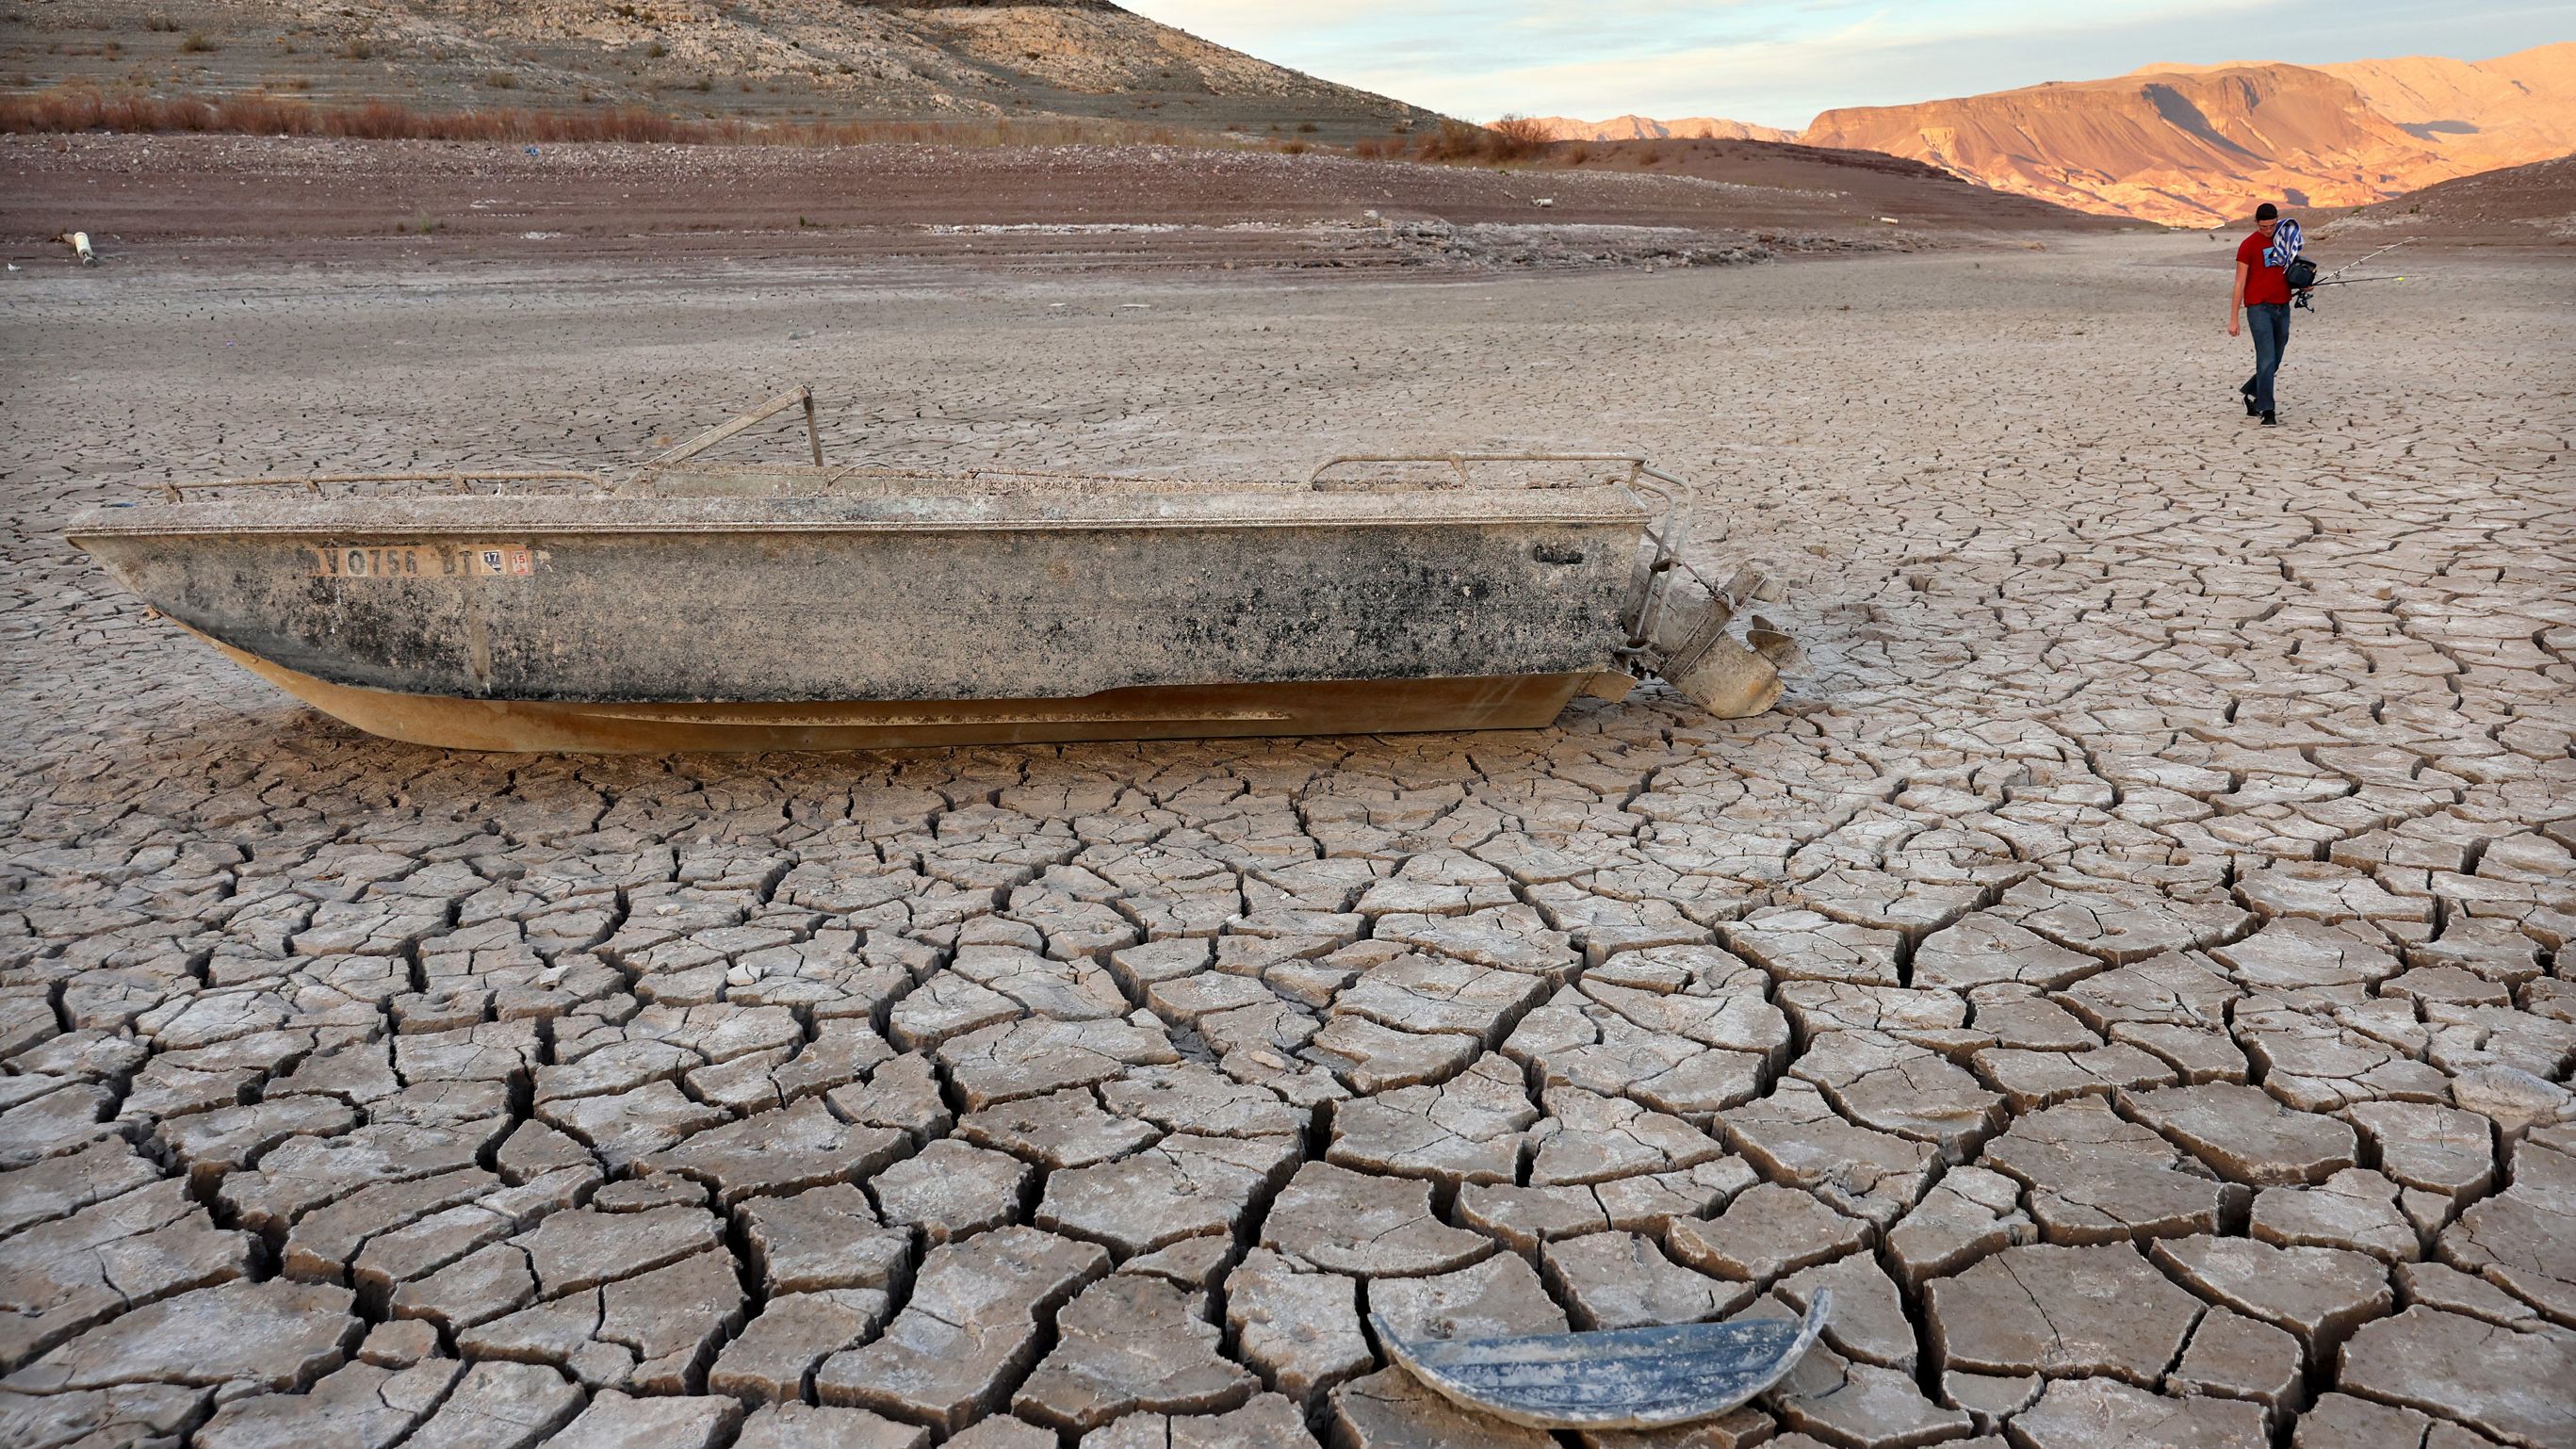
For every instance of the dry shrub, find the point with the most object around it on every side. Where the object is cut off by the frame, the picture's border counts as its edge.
(1517, 138)
(266, 115)
(1509, 140)
(74, 108)
(1453, 141)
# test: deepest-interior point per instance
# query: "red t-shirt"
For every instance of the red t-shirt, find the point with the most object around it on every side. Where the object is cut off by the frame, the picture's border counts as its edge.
(2263, 283)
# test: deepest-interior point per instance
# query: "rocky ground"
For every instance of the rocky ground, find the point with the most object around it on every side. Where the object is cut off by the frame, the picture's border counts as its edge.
(2129, 972)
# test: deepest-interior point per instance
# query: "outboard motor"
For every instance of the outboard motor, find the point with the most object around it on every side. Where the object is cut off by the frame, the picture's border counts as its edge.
(1688, 643)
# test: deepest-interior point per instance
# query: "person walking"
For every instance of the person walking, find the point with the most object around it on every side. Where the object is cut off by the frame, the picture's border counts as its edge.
(2262, 297)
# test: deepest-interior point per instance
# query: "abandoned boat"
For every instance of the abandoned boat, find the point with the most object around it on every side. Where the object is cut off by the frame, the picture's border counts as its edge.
(801, 607)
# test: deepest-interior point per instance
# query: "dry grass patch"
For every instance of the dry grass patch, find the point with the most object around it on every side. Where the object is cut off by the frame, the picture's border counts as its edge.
(82, 108)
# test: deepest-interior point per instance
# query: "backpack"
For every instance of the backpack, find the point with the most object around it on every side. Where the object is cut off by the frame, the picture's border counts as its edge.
(2301, 274)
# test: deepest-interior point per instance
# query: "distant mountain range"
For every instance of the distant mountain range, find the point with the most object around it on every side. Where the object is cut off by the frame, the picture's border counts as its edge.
(2195, 145)
(2198, 145)
(1646, 128)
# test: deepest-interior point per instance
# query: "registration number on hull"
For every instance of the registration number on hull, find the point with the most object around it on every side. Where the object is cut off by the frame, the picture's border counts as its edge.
(431, 561)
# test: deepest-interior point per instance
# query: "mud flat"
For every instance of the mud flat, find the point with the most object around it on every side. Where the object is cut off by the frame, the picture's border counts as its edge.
(256, 201)
(2130, 971)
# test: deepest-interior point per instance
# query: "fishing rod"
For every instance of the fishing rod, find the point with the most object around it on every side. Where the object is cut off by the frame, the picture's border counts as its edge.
(2348, 266)
(2336, 278)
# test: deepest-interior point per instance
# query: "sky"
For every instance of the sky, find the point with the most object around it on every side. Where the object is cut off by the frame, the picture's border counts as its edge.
(1778, 62)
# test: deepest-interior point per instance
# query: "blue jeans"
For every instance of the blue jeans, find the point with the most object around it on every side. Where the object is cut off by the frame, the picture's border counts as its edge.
(2270, 324)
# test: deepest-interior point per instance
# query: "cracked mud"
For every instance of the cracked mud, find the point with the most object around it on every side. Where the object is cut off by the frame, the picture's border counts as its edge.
(2130, 971)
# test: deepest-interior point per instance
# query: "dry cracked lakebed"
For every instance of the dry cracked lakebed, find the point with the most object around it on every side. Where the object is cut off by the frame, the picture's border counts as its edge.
(2130, 972)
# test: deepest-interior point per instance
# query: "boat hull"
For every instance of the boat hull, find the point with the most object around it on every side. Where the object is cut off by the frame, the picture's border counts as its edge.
(900, 618)
(1211, 711)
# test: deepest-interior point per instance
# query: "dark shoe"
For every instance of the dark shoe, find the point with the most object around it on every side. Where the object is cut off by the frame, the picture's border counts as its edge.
(2270, 421)
(2251, 410)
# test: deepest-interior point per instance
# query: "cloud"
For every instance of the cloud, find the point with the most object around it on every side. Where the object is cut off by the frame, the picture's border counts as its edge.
(1782, 76)
(1778, 62)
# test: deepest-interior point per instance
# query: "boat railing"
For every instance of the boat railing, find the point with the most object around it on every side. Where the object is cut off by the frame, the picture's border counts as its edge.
(799, 480)
(458, 480)
(800, 395)
(1633, 472)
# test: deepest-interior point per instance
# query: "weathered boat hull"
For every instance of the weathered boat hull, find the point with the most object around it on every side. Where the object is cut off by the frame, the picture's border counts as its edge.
(1215, 711)
(900, 617)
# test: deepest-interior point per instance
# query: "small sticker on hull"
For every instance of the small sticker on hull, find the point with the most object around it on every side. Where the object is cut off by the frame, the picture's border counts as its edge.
(496, 562)
(483, 560)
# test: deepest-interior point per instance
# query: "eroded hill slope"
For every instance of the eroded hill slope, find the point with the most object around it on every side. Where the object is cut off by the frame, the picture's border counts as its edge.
(2197, 145)
(840, 59)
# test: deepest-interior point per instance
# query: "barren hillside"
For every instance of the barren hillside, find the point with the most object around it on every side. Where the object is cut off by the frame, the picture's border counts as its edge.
(2463, 110)
(2505, 110)
(842, 59)
(2517, 206)
(2196, 145)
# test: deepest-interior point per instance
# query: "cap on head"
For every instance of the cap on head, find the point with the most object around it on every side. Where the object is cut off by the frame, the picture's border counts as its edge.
(2266, 212)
